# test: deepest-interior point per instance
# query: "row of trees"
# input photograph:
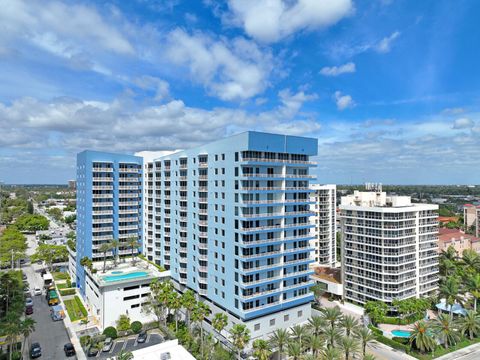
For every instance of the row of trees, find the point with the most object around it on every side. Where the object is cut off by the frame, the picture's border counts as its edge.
(406, 311)
(50, 254)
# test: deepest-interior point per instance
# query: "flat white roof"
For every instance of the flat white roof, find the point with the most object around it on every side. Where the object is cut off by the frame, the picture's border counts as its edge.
(156, 352)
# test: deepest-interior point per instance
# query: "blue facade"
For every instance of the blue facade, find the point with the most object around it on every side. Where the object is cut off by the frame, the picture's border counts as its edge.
(230, 219)
(109, 204)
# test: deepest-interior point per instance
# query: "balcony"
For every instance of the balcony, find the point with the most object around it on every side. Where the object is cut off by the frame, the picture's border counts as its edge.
(281, 161)
(130, 170)
(279, 227)
(128, 227)
(261, 281)
(129, 187)
(102, 196)
(102, 212)
(278, 214)
(102, 221)
(129, 203)
(102, 178)
(102, 237)
(102, 229)
(260, 293)
(128, 211)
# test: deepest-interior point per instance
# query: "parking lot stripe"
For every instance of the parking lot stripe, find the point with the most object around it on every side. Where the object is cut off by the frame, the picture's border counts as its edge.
(124, 345)
(148, 338)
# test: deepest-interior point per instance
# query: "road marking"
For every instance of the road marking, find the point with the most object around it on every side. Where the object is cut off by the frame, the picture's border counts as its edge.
(124, 345)
(148, 338)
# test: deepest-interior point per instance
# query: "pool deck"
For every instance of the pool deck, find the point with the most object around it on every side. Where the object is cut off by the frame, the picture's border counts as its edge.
(388, 327)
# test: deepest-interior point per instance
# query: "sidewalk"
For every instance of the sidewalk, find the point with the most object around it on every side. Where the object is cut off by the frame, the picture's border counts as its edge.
(471, 352)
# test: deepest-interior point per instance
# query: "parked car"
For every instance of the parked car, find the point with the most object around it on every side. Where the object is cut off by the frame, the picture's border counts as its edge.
(107, 345)
(37, 291)
(29, 310)
(142, 337)
(69, 349)
(43, 272)
(35, 350)
(24, 276)
(92, 351)
(28, 301)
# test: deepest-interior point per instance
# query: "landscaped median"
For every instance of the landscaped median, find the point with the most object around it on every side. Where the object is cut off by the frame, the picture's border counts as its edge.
(75, 309)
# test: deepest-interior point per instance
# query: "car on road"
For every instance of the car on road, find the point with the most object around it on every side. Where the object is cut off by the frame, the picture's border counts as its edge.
(28, 302)
(37, 291)
(35, 351)
(92, 351)
(29, 310)
(107, 345)
(142, 337)
(69, 349)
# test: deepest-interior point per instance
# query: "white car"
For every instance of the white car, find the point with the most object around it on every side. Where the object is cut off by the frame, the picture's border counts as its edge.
(37, 291)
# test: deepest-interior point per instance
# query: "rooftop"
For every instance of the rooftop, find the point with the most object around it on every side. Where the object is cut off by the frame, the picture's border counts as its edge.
(170, 350)
(329, 274)
(126, 272)
(446, 235)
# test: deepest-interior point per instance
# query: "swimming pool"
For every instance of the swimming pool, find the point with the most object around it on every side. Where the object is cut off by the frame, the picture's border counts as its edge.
(132, 275)
(116, 272)
(401, 333)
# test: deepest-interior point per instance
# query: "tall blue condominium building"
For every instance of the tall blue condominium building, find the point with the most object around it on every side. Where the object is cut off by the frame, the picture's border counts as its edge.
(231, 220)
(109, 204)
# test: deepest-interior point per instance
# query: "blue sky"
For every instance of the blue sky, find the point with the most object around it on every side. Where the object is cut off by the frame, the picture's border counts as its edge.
(389, 87)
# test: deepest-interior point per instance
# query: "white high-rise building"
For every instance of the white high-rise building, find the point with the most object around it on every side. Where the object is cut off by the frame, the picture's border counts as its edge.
(324, 206)
(389, 247)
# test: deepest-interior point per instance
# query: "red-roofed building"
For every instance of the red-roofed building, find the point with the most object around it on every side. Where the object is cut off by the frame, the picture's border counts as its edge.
(458, 240)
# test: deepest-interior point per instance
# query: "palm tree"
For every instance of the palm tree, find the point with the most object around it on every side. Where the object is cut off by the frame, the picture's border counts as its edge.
(421, 338)
(188, 302)
(314, 343)
(114, 243)
(240, 336)
(332, 334)
(13, 330)
(470, 260)
(316, 324)
(330, 353)
(219, 321)
(104, 248)
(472, 285)
(450, 291)
(365, 336)
(261, 349)
(369, 357)
(133, 244)
(298, 333)
(279, 339)
(470, 324)
(331, 315)
(175, 303)
(294, 350)
(443, 328)
(125, 355)
(27, 326)
(199, 313)
(318, 291)
(348, 323)
(349, 346)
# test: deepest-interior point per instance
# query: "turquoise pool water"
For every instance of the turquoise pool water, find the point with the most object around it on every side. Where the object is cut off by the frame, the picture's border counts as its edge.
(401, 333)
(117, 272)
(132, 275)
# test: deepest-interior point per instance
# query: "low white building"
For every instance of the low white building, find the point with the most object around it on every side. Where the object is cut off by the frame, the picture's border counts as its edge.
(72, 264)
(121, 290)
(169, 350)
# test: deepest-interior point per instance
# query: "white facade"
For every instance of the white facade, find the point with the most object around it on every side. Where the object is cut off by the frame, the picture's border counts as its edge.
(107, 300)
(167, 350)
(324, 206)
(72, 265)
(389, 247)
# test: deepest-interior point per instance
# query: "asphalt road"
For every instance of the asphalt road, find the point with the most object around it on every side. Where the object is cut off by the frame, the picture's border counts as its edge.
(51, 335)
(130, 344)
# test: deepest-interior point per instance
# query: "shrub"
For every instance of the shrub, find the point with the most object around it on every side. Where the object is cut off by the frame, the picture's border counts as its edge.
(69, 283)
(401, 340)
(123, 323)
(110, 332)
(65, 292)
(375, 330)
(85, 340)
(392, 343)
(136, 327)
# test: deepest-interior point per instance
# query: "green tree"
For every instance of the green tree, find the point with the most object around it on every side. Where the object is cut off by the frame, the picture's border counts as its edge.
(444, 329)
(27, 326)
(199, 313)
(13, 242)
(332, 334)
(188, 303)
(472, 285)
(219, 322)
(240, 336)
(470, 324)
(30, 208)
(114, 244)
(104, 248)
(125, 355)
(316, 324)
(279, 339)
(175, 303)
(364, 335)
(331, 315)
(294, 350)
(123, 323)
(50, 254)
(450, 290)
(314, 343)
(376, 310)
(470, 261)
(299, 332)
(261, 349)
(420, 337)
(318, 292)
(70, 219)
(330, 353)
(32, 223)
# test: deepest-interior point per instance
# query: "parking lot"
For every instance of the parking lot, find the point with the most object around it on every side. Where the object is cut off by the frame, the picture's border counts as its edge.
(130, 344)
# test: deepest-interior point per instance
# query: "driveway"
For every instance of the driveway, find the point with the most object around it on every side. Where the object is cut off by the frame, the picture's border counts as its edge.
(130, 344)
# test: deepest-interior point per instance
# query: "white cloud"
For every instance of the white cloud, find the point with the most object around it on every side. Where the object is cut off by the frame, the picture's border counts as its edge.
(453, 111)
(338, 70)
(463, 123)
(343, 101)
(272, 20)
(385, 44)
(161, 87)
(232, 70)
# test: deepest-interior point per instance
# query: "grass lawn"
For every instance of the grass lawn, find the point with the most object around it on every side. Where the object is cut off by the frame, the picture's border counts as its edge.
(75, 309)
(61, 286)
(60, 276)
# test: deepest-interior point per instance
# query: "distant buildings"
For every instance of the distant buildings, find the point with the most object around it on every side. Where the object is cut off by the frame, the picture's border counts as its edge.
(324, 204)
(471, 218)
(458, 240)
(72, 184)
(389, 247)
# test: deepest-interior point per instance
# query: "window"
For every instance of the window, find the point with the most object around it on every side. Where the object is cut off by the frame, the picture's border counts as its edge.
(286, 317)
(223, 156)
(300, 313)
(272, 322)
(257, 327)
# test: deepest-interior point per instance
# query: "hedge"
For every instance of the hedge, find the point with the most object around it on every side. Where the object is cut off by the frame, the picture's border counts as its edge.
(405, 321)
(60, 275)
(65, 292)
(136, 327)
(375, 330)
(392, 343)
(110, 332)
